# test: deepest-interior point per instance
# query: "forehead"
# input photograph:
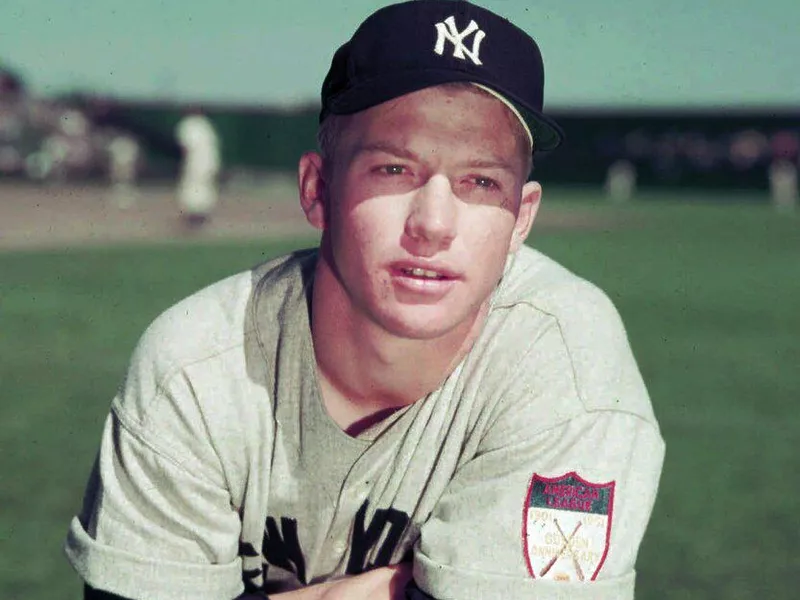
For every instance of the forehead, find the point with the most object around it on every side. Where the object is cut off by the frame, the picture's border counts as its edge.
(460, 118)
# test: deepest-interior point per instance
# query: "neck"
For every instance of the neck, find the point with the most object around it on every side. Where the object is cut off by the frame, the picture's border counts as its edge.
(365, 370)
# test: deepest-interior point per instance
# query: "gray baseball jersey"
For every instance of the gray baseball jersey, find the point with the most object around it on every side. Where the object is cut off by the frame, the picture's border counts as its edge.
(530, 473)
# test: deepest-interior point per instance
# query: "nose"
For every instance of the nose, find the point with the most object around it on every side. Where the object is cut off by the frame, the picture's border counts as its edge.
(432, 217)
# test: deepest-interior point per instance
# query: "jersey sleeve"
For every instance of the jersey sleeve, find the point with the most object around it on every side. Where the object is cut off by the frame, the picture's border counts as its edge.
(492, 536)
(555, 500)
(157, 521)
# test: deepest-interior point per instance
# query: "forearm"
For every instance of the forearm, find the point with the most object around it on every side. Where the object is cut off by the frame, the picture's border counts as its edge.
(311, 592)
(384, 583)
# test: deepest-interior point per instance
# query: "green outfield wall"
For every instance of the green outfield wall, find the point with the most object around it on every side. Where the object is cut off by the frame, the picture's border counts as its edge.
(695, 148)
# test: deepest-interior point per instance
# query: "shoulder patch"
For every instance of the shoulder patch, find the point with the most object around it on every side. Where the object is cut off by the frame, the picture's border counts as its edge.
(566, 527)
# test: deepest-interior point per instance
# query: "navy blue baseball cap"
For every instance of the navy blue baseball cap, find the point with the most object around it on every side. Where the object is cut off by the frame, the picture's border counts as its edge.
(417, 44)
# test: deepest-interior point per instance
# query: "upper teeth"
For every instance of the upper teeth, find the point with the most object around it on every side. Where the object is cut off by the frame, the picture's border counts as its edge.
(416, 272)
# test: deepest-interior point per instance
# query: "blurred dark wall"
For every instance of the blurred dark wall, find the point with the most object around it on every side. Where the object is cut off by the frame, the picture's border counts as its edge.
(701, 148)
(251, 138)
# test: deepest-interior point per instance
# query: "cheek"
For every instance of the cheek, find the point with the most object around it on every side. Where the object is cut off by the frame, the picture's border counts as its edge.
(376, 221)
(490, 229)
(361, 237)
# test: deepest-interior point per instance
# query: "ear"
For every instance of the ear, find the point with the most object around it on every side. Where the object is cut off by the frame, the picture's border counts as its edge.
(313, 192)
(528, 207)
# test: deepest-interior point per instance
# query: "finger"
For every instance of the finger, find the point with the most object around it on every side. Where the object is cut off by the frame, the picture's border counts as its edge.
(400, 577)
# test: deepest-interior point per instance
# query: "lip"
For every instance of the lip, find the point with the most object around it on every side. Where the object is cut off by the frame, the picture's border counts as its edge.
(447, 273)
(418, 287)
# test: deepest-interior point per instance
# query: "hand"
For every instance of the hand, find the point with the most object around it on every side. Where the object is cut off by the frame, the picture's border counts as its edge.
(384, 583)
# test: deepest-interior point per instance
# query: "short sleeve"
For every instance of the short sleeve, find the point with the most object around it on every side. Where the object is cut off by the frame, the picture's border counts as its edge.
(157, 521)
(494, 533)
(554, 498)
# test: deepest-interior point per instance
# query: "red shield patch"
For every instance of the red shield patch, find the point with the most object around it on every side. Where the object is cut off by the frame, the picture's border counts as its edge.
(567, 527)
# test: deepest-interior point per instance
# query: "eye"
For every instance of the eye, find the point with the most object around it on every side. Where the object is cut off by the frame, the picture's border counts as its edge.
(391, 169)
(485, 183)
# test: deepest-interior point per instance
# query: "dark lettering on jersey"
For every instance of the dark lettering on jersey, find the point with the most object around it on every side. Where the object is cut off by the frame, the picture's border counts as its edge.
(249, 576)
(281, 548)
(364, 539)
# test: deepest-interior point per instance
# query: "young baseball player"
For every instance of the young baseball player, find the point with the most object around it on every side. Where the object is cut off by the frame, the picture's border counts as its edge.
(422, 407)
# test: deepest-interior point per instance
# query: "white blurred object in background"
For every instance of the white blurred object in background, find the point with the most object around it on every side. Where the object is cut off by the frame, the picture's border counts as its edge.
(124, 156)
(783, 185)
(621, 181)
(197, 188)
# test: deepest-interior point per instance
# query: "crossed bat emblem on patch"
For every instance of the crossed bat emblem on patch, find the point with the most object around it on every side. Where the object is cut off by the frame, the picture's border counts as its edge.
(565, 547)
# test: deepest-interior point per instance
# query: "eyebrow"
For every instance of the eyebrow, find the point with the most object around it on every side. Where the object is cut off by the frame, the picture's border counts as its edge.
(400, 152)
(490, 164)
(386, 148)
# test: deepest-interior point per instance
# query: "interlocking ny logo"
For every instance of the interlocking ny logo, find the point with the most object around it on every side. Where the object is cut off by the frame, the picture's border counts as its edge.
(447, 31)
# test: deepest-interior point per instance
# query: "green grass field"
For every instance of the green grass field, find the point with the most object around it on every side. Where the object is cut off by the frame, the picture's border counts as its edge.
(710, 294)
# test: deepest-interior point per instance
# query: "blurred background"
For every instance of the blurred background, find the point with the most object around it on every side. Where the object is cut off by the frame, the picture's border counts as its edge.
(701, 96)
(148, 148)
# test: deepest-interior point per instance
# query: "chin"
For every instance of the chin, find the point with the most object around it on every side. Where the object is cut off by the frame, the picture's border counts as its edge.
(420, 324)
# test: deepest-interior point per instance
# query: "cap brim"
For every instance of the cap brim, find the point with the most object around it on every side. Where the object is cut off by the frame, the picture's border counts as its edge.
(547, 135)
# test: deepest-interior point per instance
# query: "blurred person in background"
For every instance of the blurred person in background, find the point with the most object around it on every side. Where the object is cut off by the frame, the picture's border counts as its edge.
(785, 152)
(748, 149)
(12, 126)
(197, 186)
(68, 146)
(620, 184)
(124, 156)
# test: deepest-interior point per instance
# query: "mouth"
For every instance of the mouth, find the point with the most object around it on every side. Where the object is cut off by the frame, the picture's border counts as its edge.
(419, 273)
(430, 282)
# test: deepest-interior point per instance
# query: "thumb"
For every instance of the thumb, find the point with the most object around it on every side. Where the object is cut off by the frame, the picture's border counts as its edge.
(400, 577)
